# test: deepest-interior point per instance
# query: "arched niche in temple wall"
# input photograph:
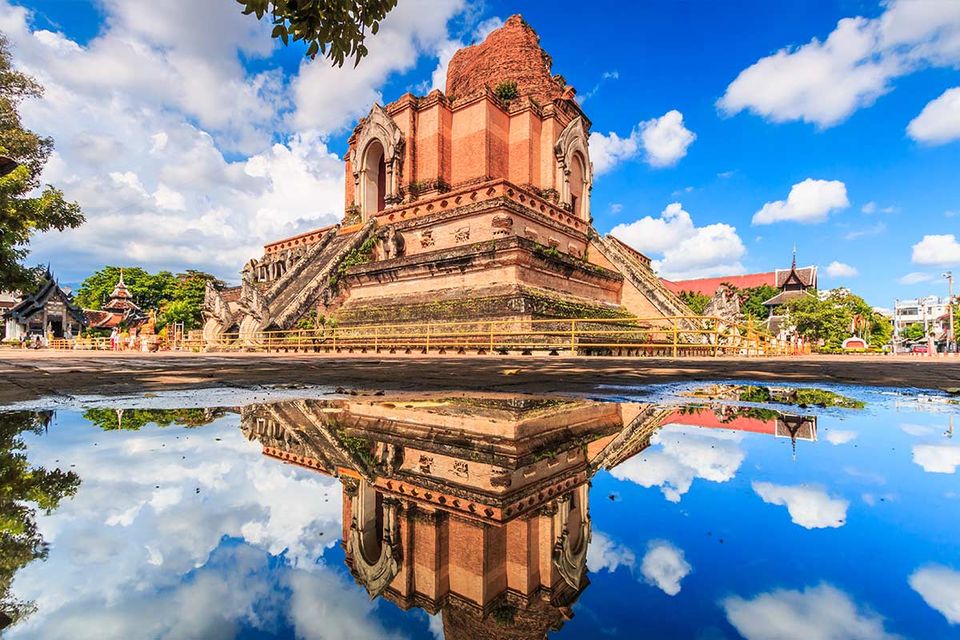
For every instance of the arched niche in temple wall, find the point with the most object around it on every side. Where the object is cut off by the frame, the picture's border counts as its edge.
(374, 543)
(377, 162)
(574, 170)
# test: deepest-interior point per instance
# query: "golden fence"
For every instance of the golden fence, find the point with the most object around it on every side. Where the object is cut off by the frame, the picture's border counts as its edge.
(676, 336)
(660, 336)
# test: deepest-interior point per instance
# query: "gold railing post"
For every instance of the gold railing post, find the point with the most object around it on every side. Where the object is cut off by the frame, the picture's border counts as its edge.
(491, 337)
(334, 338)
(376, 339)
(676, 337)
(428, 338)
(573, 337)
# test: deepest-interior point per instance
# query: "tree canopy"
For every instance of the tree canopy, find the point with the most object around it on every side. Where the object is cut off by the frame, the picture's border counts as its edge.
(175, 297)
(838, 316)
(335, 29)
(23, 210)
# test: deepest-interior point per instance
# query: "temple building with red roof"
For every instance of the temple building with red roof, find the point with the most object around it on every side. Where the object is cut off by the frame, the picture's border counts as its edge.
(120, 310)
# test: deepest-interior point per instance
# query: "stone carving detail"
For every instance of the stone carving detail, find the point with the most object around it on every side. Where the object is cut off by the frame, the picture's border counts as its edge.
(500, 478)
(531, 234)
(461, 469)
(426, 238)
(570, 548)
(502, 226)
(462, 234)
(392, 244)
(573, 250)
(426, 464)
(724, 304)
(553, 243)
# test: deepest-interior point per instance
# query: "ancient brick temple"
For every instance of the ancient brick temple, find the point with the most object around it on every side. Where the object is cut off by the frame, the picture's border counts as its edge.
(468, 204)
(476, 509)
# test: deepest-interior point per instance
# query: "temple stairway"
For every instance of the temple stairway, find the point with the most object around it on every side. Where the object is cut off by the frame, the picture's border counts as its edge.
(642, 277)
(298, 290)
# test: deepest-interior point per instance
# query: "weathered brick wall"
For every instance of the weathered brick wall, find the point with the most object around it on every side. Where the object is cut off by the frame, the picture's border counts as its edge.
(510, 53)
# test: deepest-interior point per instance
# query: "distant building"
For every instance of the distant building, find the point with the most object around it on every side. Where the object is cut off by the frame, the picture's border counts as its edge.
(932, 312)
(49, 311)
(792, 283)
(120, 310)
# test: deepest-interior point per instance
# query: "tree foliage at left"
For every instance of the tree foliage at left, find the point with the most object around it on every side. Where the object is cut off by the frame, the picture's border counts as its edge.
(26, 206)
(24, 489)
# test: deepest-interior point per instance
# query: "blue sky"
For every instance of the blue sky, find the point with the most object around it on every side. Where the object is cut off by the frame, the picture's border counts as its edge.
(190, 138)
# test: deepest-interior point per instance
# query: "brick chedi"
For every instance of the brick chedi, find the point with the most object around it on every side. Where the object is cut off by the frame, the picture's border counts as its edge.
(476, 509)
(511, 53)
(460, 206)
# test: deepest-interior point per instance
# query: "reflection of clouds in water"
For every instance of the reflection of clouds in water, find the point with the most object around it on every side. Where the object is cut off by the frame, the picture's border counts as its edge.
(809, 507)
(664, 566)
(604, 553)
(839, 436)
(937, 458)
(122, 539)
(321, 607)
(816, 613)
(939, 587)
(681, 455)
(917, 430)
(235, 587)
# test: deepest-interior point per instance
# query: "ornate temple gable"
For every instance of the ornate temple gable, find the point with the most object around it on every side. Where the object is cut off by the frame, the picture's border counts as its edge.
(512, 52)
(574, 169)
(376, 146)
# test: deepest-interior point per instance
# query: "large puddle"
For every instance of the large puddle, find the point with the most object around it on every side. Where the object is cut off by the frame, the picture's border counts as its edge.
(656, 514)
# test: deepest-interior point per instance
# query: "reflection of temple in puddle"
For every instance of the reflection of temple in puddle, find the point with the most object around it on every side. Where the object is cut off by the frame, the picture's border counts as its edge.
(473, 507)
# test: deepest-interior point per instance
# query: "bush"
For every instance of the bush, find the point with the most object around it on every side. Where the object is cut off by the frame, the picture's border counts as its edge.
(506, 90)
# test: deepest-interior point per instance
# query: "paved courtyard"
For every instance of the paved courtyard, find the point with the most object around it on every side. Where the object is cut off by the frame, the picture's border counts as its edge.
(26, 375)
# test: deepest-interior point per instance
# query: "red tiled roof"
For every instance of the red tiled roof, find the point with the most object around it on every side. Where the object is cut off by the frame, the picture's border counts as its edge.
(709, 286)
(708, 419)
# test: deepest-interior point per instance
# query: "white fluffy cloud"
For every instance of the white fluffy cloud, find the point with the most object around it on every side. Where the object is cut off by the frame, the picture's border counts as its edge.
(809, 201)
(838, 269)
(178, 154)
(816, 613)
(678, 455)
(937, 458)
(664, 566)
(664, 141)
(939, 122)
(939, 587)
(941, 250)
(809, 507)
(680, 248)
(915, 277)
(823, 82)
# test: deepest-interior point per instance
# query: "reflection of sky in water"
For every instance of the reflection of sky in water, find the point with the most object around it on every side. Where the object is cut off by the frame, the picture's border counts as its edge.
(706, 533)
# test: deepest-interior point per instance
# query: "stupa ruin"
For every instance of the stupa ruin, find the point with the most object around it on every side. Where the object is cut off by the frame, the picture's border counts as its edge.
(464, 205)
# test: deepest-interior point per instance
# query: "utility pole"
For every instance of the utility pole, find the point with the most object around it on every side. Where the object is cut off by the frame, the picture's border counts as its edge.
(951, 336)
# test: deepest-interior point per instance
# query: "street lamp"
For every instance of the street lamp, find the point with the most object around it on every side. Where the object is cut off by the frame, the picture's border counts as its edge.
(951, 336)
(7, 165)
